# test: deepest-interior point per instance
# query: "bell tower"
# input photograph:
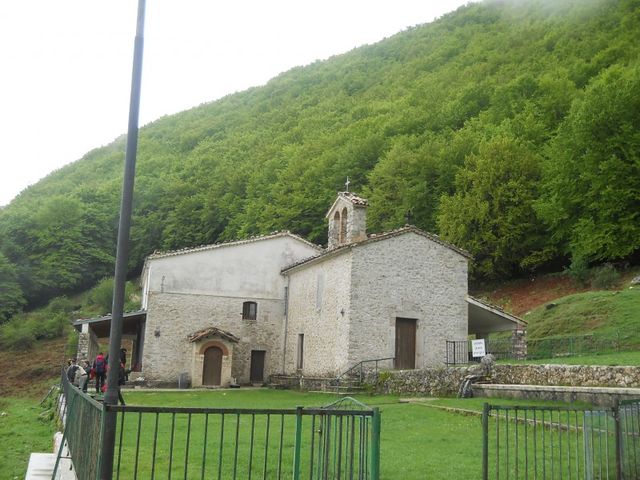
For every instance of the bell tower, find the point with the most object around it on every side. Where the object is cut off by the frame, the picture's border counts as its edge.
(347, 219)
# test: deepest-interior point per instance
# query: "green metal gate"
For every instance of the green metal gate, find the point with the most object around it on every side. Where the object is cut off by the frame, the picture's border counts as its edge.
(338, 441)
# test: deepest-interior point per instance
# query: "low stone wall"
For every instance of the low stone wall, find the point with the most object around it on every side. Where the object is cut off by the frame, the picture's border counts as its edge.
(600, 396)
(571, 375)
(445, 381)
(302, 383)
(434, 382)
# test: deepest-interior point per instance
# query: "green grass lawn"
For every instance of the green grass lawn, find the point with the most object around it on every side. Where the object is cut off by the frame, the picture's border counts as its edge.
(21, 432)
(613, 359)
(417, 441)
(605, 312)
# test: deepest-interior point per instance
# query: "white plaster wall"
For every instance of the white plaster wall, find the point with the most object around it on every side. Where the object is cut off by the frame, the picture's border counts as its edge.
(249, 269)
(195, 290)
(325, 329)
(406, 276)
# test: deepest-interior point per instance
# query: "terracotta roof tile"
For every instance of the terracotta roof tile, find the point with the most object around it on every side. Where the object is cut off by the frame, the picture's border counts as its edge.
(210, 332)
(381, 236)
(353, 198)
(286, 233)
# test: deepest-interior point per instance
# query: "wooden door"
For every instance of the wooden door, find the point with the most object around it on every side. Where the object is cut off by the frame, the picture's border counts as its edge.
(405, 343)
(257, 366)
(212, 368)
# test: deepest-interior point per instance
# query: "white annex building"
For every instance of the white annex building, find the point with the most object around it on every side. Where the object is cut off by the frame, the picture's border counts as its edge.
(244, 310)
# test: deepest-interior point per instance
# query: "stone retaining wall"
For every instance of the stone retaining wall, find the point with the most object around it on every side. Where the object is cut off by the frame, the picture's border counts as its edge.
(601, 396)
(571, 375)
(445, 381)
(434, 382)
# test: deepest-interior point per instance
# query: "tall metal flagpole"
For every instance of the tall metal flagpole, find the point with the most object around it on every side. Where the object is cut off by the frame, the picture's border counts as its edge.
(122, 255)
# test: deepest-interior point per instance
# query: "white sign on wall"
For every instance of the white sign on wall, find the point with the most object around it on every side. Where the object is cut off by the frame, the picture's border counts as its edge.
(478, 348)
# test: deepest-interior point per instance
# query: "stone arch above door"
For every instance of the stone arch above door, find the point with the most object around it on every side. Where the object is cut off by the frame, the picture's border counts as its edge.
(214, 343)
(203, 341)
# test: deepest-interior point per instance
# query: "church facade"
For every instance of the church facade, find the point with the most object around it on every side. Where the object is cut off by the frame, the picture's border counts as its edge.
(397, 295)
(241, 311)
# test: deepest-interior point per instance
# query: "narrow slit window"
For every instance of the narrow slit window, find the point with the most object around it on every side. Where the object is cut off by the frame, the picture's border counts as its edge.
(249, 310)
(300, 360)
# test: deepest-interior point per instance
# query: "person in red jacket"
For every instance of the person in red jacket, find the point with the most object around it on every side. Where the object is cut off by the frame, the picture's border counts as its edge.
(100, 367)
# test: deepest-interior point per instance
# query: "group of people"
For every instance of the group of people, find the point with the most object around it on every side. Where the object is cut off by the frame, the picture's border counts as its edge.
(80, 374)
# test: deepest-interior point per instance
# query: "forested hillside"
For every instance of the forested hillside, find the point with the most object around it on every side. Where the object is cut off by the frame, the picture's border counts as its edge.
(510, 128)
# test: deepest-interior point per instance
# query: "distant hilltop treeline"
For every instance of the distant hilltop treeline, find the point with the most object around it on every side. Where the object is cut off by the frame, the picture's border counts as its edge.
(509, 128)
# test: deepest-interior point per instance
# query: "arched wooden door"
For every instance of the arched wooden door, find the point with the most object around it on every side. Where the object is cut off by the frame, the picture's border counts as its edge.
(212, 368)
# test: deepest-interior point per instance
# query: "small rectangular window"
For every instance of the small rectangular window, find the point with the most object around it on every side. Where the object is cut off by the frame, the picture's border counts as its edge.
(249, 310)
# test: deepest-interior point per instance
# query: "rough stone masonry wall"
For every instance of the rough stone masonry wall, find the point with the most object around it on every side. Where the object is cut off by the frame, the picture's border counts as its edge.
(568, 375)
(172, 317)
(407, 276)
(445, 381)
(319, 309)
(432, 382)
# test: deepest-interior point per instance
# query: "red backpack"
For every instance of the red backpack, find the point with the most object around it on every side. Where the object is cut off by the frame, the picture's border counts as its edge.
(100, 364)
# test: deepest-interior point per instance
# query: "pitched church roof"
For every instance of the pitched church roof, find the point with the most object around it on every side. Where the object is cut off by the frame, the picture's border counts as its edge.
(349, 197)
(201, 248)
(376, 238)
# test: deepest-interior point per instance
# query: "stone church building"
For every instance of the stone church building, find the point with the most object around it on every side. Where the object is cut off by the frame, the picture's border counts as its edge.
(241, 311)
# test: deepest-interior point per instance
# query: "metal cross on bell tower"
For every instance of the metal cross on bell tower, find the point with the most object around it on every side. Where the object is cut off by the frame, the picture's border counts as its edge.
(346, 185)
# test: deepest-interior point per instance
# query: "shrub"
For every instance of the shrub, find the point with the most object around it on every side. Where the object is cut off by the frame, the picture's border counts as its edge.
(60, 305)
(15, 336)
(51, 328)
(579, 270)
(605, 277)
(72, 343)
(101, 295)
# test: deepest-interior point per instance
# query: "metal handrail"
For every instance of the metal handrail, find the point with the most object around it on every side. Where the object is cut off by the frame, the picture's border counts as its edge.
(360, 364)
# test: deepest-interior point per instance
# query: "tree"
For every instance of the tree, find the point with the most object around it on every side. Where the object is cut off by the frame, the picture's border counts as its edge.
(11, 297)
(591, 190)
(491, 214)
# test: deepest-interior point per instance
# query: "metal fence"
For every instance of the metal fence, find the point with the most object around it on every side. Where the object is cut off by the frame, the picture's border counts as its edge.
(81, 416)
(339, 441)
(561, 442)
(567, 346)
(629, 438)
(459, 352)
(366, 368)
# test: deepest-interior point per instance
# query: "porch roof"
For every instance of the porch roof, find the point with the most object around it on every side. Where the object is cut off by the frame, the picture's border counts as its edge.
(101, 326)
(210, 332)
(486, 318)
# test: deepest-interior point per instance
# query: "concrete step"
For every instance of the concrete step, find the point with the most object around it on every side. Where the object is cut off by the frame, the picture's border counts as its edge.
(41, 467)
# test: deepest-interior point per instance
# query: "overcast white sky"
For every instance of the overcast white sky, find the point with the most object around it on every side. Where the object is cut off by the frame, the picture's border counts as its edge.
(66, 65)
